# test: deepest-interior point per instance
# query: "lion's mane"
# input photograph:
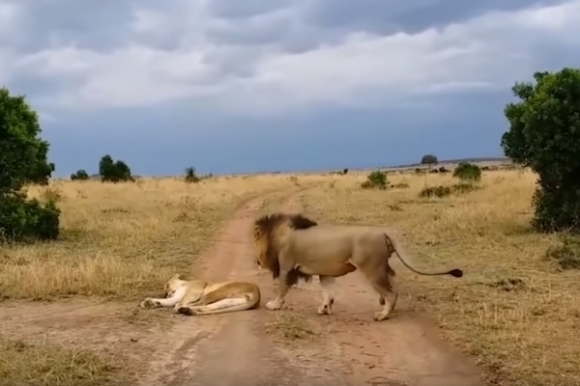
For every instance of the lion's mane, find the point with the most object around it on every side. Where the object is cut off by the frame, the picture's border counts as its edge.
(271, 232)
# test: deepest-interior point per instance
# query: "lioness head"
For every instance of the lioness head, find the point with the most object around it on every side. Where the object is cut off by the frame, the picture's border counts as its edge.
(269, 233)
(172, 285)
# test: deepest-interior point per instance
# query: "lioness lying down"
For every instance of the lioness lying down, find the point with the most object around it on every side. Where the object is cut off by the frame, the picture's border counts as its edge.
(294, 247)
(198, 297)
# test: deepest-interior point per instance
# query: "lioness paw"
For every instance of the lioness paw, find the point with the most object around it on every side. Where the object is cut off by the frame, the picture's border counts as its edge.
(148, 303)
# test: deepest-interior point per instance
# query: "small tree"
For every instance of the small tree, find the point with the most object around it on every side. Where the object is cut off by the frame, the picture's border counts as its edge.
(467, 171)
(429, 159)
(80, 174)
(375, 180)
(544, 134)
(345, 171)
(23, 160)
(111, 171)
(191, 176)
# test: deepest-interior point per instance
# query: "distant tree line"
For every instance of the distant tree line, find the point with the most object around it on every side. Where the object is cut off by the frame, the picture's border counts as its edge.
(543, 134)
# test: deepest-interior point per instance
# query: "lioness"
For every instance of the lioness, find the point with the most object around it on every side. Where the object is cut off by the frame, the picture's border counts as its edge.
(294, 247)
(198, 297)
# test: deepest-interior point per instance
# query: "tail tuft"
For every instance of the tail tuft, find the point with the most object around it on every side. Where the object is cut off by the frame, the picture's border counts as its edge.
(456, 272)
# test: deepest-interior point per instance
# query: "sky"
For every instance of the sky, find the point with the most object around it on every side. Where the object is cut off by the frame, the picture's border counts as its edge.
(230, 86)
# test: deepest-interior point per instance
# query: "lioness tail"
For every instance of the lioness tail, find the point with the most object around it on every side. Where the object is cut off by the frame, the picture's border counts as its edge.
(456, 272)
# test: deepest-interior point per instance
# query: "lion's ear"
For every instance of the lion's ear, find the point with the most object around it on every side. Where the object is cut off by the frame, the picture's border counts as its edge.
(176, 276)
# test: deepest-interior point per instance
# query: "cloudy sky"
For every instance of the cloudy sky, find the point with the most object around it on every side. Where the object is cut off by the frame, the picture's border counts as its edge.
(252, 85)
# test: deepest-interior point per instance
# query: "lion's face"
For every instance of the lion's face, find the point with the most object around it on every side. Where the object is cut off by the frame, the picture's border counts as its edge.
(172, 285)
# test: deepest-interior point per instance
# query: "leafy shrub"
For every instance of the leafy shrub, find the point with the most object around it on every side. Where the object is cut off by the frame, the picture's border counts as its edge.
(23, 160)
(375, 180)
(544, 134)
(345, 171)
(191, 176)
(80, 174)
(467, 171)
(111, 171)
(25, 220)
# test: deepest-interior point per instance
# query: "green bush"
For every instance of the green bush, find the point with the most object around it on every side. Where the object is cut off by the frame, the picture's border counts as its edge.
(25, 220)
(544, 134)
(23, 160)
(375, 180)
(191, 176)
(80, 175)
(111, 171)
(467, 171)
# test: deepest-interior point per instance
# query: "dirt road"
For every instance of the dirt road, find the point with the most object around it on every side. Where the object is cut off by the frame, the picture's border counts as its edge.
(348, 347)
(251, 348)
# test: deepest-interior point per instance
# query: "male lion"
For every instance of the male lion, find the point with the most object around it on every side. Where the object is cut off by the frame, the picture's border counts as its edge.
(198, 297)
(294, 247)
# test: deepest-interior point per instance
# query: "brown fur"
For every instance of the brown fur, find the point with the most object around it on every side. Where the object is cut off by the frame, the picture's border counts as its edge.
(292, 246)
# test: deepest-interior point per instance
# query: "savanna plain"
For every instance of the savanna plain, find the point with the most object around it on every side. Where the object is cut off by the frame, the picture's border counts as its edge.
(64, 304)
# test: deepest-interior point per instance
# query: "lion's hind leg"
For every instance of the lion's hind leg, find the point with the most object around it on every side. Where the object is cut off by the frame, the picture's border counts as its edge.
(382, 283)
(221, 306)
(327, 283)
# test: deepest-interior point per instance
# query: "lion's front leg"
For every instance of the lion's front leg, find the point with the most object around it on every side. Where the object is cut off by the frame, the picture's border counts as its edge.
(327, 283)
(168, 302)
(155, 303)
(283, 288)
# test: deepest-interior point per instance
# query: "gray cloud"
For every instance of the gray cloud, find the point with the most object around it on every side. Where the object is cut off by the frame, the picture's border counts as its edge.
(188, 79)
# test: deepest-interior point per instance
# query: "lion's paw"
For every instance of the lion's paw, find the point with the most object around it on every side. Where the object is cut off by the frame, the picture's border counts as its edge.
(324, 309)
(149, 303)
(274, 305)
(380, 316)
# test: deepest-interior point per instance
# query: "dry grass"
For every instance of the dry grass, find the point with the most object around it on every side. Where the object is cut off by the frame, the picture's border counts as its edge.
(44, 364)
(516, 311)
(122, 241)
(513, 309)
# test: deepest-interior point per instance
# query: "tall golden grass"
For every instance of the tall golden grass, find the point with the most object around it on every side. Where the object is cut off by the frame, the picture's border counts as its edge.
(122, 240)
(515, 310)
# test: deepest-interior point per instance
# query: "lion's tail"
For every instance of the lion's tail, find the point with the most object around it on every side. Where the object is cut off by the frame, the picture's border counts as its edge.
(456, 272)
